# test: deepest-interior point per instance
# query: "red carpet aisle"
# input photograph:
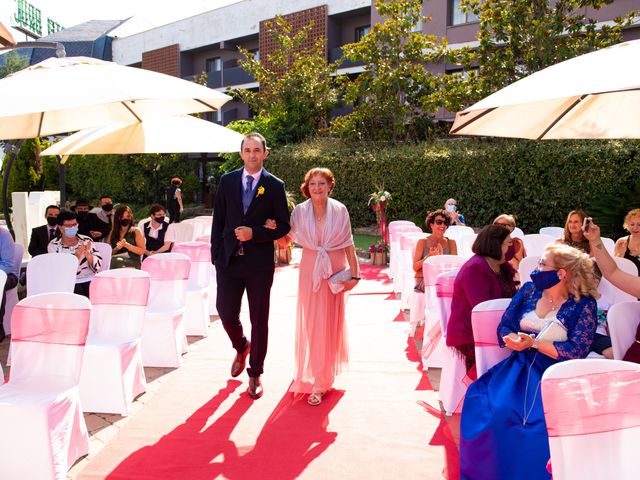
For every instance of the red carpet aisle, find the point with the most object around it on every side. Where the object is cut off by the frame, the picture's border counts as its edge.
(202, 425)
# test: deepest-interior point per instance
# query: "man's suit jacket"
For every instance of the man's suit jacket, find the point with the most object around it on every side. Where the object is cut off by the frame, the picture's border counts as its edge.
(269, 201)
(40, 240)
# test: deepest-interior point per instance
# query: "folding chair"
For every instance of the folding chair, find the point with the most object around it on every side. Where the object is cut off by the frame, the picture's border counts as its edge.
(485, 318)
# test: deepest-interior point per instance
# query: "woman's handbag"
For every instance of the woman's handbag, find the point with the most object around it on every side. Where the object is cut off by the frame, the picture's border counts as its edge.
(336, 281)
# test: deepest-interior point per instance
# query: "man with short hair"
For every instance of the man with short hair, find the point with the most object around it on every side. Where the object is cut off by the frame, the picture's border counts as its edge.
(88, 223)
(42, 235)
(242, 251)
(7, 252)
(105, 217)
(71, 242)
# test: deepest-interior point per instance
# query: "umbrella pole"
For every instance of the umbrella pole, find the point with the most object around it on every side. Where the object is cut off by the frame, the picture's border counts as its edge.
(12, 149)
(62, 179)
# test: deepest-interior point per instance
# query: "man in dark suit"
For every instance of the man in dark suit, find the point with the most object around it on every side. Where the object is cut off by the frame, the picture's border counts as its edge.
(242, 251)
(42, 235)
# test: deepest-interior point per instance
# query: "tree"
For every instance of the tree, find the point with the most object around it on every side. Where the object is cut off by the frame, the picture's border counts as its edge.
(13, 62)
(296, 86)
(392, 97)
(519, 37)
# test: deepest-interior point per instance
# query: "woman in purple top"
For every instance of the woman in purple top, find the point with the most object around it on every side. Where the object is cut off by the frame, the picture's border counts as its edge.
(485, 276)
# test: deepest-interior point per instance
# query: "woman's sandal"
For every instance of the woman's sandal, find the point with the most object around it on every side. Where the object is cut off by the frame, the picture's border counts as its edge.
(315, 399)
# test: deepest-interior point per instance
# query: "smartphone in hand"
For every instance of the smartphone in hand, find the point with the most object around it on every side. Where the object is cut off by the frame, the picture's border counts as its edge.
(586, 224)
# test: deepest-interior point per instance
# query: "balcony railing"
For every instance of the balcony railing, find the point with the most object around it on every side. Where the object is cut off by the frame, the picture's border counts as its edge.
(336, 53)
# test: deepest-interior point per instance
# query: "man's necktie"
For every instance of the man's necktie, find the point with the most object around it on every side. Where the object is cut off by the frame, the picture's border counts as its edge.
(247, 194)
(52, 233)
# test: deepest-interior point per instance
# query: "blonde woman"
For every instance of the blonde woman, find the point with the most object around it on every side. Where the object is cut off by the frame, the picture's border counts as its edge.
(550, 319)
(629, 246)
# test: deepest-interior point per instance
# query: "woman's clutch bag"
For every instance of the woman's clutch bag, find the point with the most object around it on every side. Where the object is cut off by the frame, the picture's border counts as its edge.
(337, 279)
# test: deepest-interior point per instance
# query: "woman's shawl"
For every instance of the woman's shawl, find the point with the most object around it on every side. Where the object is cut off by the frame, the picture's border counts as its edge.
(336, 235)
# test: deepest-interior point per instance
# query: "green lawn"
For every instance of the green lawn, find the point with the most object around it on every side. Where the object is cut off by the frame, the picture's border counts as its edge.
(364, 241)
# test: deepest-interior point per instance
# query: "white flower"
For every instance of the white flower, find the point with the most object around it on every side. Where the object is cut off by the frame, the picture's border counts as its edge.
(382, 198)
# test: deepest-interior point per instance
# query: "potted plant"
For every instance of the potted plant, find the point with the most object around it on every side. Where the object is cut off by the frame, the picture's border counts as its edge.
(379, 252)
(379, 200)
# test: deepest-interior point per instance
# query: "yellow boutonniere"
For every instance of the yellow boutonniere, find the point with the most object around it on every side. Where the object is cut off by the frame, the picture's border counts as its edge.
(260, 191)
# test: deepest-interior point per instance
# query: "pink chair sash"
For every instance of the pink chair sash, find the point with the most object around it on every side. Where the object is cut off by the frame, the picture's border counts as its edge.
(119, 291)
(204, 239)
(50, 325)
(488, 321)
(196, 251)
(444, 286)
(592, 403)
(167, 269)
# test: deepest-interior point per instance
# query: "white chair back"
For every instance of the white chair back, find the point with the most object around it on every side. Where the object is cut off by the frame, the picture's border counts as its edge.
(485, 318)
(49, 332)
(12, 294)
(609, 244)
(527, 265)
(444, 293)
(431, 268)
(590, 408)
(200, 255)
(169, 277)
(200, 227)
(408, 242)
(517, 233)
(555, 232)
(464, 244)
(623, 320)
(394, 254)
(119, 298)
(611, 294)
(535, 243)
(105, 250)
(455, 232)
(51, 272)
(180, 232)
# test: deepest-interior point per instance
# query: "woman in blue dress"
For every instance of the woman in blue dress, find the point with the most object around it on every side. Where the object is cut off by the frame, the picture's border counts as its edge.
(503, 434)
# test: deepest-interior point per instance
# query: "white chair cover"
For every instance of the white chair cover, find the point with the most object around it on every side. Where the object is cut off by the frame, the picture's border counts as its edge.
(464, 244)
(408, 243)
(527, 265)
(43, 428)
(593, 420)
(180, 232)
(609, 244)
(485, 318)
(452, 378)
(433, 354)
(163, 335)
(535, 243)
(12, 294)
(196, 313)
(397, 252)
(455, 232)
(200, 227)
(112, 372)
(394, 243)
(105, 251)
(213, 286)
(623, 319)
(611, 294)
(554, 232)
(517, 233)
(51, 272)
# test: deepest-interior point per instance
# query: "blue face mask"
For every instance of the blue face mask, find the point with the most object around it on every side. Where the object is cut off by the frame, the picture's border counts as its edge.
(451, 208)
(545, 279)
(70, 231)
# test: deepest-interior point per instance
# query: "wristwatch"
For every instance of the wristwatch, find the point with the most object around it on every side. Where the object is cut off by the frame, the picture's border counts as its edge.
(356, 278)
(535, 343)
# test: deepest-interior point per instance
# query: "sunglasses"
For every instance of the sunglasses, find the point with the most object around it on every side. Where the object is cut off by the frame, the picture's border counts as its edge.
(439, 221)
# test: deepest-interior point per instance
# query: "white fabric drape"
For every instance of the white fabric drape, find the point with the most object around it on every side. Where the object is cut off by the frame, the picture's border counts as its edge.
(335, 235)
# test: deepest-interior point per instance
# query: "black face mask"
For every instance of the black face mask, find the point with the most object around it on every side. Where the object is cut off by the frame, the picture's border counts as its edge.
(159, 219)
(52, 221)
(125, 222)
(107, 207)
(83, 215)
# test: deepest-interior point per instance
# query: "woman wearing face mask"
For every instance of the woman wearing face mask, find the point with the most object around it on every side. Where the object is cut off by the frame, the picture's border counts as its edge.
(126, 240)
(451, 207)
(484, 276)
(154, 232)
(434, 244)
(551, 319)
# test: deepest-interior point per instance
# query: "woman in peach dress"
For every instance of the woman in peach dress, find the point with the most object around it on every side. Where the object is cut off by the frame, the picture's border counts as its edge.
(321, 225)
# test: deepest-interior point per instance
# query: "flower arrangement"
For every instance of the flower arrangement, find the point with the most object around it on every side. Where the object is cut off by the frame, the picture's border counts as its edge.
(379, 247)
(379, 200)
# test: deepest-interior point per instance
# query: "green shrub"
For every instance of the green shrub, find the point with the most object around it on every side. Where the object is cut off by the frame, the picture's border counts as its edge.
(540, 181)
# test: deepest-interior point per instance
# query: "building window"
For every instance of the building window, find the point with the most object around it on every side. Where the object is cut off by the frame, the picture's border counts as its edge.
(213, 64)
(362, 31)
(256, 54)
(457, 16)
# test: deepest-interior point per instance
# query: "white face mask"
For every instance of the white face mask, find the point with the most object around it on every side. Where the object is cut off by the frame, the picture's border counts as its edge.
(451, 208)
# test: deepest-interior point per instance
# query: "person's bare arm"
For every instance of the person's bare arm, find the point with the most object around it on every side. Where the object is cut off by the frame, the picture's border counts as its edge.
(353, 266)
(179, 199)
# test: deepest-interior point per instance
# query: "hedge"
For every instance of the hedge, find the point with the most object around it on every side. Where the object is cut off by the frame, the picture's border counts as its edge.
(538, 181)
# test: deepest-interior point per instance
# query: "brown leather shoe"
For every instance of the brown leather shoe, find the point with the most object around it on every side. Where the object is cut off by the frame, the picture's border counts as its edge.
(240, 361)
(255, 389)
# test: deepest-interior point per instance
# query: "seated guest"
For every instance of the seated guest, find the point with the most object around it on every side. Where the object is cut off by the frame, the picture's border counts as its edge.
(434, 244)
(105, 217)
(7, 252)
(155, 230)
(451, 207)
(71, 242)
(629, 247)
(42, 235)
(485, 276)
(516, 251)
(126, 240)
(573, 232)
(88, 223)
(551, 319)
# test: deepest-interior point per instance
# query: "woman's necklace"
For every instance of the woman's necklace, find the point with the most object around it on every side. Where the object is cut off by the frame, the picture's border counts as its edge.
(555, 303)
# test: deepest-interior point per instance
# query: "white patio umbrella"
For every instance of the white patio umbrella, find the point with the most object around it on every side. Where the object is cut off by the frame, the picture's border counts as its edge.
(182, 134)
(62, 95)
(596, 95)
